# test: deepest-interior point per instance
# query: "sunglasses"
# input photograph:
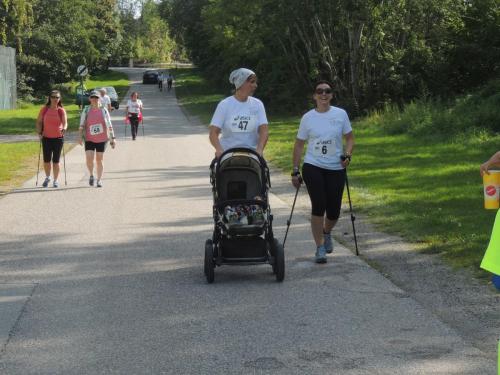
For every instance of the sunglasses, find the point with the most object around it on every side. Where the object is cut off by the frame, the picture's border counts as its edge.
(55, 97)
(323, 91)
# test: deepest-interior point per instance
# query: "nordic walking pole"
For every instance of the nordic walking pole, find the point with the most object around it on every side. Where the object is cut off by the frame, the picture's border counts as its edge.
(291, 213)
(142, 122)
(350, 208)
(64, 163)
(38, 168)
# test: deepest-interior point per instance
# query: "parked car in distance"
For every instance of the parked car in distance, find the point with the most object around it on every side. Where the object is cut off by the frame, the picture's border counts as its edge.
(110, 90)
(150, 76)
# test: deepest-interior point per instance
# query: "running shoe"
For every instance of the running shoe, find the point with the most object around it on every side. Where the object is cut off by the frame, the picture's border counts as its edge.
(91, 180)
(320, 254)
(46, 181)
(56, 184)
(328, 243)
(99, 183)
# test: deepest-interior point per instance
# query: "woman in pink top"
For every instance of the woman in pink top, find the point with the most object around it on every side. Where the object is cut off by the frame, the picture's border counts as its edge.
(96, 128)
(50, 126)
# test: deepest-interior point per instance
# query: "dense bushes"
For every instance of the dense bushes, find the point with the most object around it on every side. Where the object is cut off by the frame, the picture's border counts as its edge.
(472, 113)
(375, 52)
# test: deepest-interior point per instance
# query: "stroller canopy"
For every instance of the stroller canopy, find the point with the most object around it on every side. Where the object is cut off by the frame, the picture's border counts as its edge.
(241, 175)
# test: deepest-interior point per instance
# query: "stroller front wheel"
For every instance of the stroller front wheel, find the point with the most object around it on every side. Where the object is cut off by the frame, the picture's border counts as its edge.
(209, 264)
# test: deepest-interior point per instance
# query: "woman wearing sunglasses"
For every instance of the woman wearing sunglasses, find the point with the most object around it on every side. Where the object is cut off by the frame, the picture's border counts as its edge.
(51, 124)
(324, 128)
(240, 120)
(96, 127)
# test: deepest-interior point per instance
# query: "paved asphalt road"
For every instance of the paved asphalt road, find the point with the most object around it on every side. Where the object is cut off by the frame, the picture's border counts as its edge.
(110, 281)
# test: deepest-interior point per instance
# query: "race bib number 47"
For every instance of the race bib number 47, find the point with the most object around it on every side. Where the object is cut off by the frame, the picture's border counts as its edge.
(96, 129)
(324, 147)
(242, 124)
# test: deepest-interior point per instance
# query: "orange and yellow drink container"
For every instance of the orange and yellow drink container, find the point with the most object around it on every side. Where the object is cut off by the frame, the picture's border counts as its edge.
(491, 187)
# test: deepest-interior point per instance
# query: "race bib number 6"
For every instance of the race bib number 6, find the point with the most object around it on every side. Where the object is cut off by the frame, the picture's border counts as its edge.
(96, 129)
(324, 148)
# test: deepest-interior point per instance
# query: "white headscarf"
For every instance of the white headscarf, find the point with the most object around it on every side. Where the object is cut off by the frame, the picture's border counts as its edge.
(239, 76)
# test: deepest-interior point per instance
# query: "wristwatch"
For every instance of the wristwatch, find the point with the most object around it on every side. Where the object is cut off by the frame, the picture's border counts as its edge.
(295, 172)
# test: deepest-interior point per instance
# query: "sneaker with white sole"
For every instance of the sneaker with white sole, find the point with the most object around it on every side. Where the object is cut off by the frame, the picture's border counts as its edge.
(99, 183)
(91, 180)
(46, 181)
(56, 184)
(320, 254)
(328, 243)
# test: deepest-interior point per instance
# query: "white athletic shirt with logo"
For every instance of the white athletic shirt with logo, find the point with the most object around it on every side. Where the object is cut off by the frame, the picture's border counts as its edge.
(239, 122)
(324, 132)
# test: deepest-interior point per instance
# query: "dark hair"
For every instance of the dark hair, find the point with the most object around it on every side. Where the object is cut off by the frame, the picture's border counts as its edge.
(134, 92)
(59, 102)
(322, 81)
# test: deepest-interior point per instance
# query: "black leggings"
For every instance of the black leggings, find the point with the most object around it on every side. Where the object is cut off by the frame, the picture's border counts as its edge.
(134, 123)
(52, 149)
(325, 188)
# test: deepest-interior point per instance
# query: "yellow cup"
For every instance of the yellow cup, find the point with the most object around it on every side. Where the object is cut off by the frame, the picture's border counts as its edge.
(491, 188)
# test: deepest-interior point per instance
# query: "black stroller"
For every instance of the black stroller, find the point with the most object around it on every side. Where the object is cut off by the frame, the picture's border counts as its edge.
(243, 232)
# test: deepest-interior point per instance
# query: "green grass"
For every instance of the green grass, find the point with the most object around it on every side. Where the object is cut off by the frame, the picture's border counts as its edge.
(426, 190)
(22, 120)
(196, 94)
(429, 193)
(18, 161)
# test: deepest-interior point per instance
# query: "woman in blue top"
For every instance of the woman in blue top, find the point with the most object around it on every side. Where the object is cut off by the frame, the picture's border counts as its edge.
(324, 128)
(241, 118)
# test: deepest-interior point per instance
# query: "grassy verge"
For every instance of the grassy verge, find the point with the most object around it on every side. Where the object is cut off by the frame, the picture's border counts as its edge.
(18, 161)
(427, 191)
(195, 94)
(22, 120)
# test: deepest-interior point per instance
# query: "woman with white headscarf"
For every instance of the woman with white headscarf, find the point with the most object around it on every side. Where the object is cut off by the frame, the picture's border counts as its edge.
(240, 120)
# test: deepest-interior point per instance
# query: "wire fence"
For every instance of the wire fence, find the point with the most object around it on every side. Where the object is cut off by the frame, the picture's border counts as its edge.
(8, 95)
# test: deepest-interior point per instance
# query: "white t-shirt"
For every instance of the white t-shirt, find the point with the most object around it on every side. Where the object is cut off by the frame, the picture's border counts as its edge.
(134, 107)
(105, 101)
(324, 132)
(239, 122)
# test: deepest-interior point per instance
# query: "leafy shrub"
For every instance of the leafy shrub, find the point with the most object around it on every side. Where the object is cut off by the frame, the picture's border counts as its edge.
(431, 118)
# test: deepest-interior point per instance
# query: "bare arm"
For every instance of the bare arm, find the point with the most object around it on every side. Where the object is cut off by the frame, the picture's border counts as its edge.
(263, 137)
(493, 161)
(349, 146)
(298, 148)
(64, 119)
(213, 136)
(39, 124)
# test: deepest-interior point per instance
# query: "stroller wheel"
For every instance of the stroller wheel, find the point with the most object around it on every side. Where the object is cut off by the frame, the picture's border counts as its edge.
(209, 261)
(279, 261)
(274, 245)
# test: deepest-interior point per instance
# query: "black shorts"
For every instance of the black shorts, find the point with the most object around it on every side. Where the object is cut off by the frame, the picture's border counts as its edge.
(325, 188)
(52, 149)
(98, 147)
